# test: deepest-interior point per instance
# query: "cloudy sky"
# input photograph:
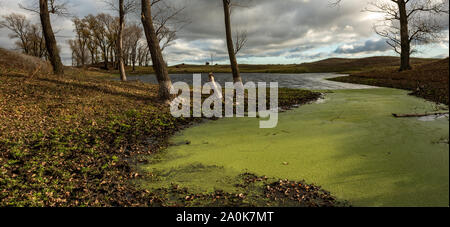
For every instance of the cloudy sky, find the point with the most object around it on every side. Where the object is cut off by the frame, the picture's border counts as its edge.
(279, 31)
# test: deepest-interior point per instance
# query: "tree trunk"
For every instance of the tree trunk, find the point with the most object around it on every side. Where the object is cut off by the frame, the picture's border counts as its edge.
(50, 40)
(111, 57)
(24, 46)
(105, 57)
(159, 66)
(133, 62)
(146, 59)
(404, 35)
(123, 75)
(83, 58)
(234, 66)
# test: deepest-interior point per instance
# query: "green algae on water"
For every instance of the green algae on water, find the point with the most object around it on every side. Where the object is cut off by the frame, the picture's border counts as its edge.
(350, 145)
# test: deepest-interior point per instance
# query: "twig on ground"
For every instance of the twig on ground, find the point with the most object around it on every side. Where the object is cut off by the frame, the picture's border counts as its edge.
(418, 115)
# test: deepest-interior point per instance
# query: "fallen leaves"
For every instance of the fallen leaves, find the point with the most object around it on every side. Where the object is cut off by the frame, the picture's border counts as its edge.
(74, 140)
(300, 193)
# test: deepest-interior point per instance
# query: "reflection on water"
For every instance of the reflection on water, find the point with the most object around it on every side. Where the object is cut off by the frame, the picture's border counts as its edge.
(304, 81)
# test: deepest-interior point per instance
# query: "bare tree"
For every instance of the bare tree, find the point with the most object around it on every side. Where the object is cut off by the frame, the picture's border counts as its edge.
(36, 42)
(159, 65)
(123, 75)
(19, 26)
(168, 20)
(80, 44)
(240, 40)
(29, 36)
(56, 7)
(112, 40)
(123, 7)
(213, 56)
(142, 51)
(79, 52)
(98, 28)
(93, 28)
(133, 36)
(111, 25)
(44, 8)
(229, 37)
(50, 40)
(408, 22)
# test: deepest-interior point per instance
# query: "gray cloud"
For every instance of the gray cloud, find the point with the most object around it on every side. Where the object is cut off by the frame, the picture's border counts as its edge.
(285, 31)
(368, 46)
(274, 24)
(441, 56)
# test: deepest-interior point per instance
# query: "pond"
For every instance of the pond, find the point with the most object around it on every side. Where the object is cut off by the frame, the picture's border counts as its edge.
(312, 81)
(350, 145)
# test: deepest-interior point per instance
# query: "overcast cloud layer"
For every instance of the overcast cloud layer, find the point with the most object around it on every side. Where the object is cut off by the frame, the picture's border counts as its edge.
(279, 31)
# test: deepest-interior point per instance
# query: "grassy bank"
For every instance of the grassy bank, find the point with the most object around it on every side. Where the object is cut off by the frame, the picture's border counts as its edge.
(75, 140)
(66, 141)
(429, 81)
(339, 65)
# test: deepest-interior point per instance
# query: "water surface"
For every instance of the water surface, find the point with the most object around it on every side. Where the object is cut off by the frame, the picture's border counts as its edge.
(312, 81)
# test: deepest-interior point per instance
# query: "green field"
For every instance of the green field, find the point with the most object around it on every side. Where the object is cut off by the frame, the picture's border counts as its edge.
(351, 145)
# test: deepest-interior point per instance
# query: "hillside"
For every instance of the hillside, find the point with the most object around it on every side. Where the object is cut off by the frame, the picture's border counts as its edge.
(13, 62)
(359, 64)
(430, 81)
(339, 65)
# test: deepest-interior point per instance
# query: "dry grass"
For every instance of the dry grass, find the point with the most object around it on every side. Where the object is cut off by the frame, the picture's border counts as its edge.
(74, 140)
(361, 64)
(63, 139)
(13, 62)
(430, 80)
(339, 65)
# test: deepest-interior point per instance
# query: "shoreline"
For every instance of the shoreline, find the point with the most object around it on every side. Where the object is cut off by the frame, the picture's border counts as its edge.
(83, 152)
(259, 191)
